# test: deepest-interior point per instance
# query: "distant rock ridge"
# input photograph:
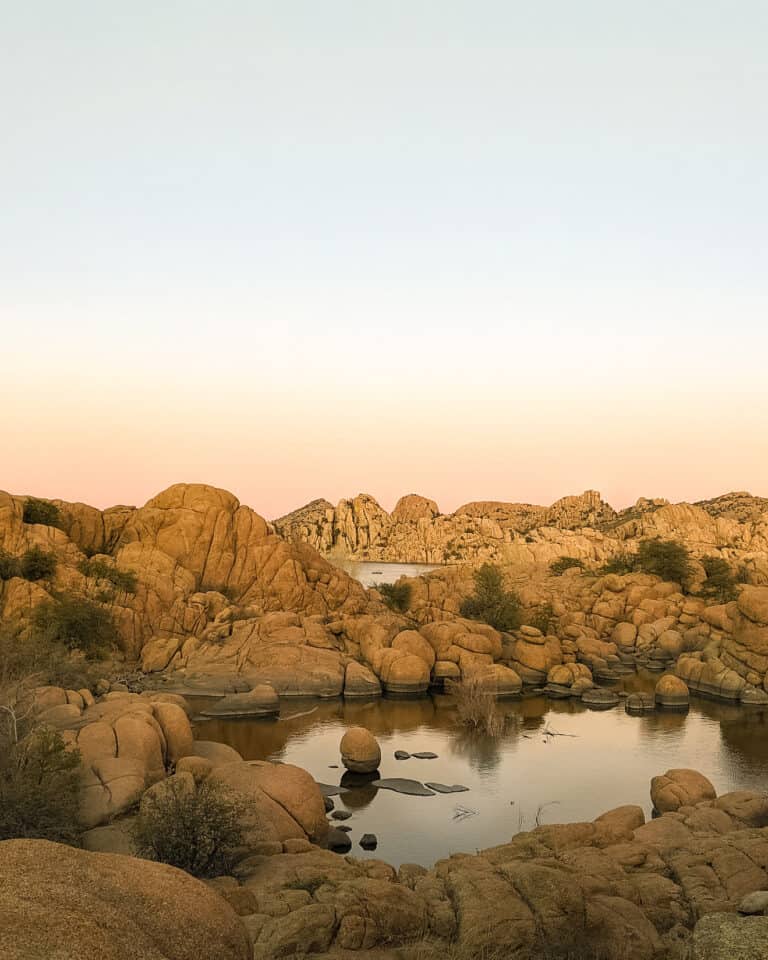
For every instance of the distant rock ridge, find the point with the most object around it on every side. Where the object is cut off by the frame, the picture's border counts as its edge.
(417, 532)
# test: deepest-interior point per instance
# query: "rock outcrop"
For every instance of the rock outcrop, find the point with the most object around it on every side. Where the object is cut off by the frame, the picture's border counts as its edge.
(56, 901)
(617, 887)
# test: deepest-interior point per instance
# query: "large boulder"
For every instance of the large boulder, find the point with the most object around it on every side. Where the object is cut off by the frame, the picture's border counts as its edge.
(282, 802)
(360, 681)
(360, 751)
(404, 673)
(680, 788)
(58, 902)
(671, 692)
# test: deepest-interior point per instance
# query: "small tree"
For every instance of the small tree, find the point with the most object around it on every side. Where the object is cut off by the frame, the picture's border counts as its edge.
(9, 566)
(559, 566)
(397, 596)
(491, 602)
(39, 776)
(619, 563)
(667, 559)
(77, 623)
(41, 511)
(37, 564)
(96, 569)
(720, 584)
(197, 830)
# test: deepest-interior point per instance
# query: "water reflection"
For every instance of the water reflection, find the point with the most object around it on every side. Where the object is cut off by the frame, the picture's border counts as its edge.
(603, 759)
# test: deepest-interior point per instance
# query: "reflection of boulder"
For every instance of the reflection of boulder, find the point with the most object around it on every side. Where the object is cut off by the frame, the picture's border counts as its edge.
(358, 790)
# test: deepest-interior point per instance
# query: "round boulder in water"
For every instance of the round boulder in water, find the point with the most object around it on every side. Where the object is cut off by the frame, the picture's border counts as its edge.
(598, 698)
(672, 693)
(637, 704)
(360, 751)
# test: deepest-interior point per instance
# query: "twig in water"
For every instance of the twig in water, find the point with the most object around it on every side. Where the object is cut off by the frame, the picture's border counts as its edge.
(543, 806)
(463, 813)
(293, 716)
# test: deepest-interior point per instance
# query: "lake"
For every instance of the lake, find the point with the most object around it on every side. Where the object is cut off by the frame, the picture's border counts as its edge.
(599, 760)
(370, 573)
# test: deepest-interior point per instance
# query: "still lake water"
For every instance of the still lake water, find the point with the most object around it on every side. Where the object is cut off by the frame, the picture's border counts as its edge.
(606, 759)
(370, 573)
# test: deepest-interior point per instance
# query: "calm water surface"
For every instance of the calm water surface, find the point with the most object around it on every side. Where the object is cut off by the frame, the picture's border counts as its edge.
(369, 573)
(602, 760)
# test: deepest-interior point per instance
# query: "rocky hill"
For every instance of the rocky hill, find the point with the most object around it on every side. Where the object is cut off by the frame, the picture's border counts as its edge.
(734, 526)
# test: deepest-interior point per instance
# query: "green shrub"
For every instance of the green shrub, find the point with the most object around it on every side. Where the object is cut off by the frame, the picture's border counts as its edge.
(37, 564)
(542, 618)
(397, 596)
(559, 566)
(721, 584)
(9, 566)
(491, 602)
(41, 511)
(199, 831)
(667, 559)
(76, 623)
(124, 580)
(620, 563)
(39, 787)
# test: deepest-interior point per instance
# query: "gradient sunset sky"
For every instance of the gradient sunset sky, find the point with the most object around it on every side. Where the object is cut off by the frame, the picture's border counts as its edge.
(475, 250)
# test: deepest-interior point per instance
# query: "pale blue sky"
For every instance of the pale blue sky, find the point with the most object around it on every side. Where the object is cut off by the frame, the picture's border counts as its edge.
(384, 246)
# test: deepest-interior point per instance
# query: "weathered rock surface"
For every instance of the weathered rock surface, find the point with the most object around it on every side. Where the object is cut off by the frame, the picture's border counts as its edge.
(58, 902)
(360, 751)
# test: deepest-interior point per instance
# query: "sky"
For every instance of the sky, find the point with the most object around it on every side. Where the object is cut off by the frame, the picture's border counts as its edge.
(475, 250)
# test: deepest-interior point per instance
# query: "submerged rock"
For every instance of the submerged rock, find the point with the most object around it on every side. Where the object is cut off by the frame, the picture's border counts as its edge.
(425, 755)
(402, 755)
(338, 841)
(444, 788)
(599, 698)
(413, 788)
(262, 701)
(639, 703)
(369, 841)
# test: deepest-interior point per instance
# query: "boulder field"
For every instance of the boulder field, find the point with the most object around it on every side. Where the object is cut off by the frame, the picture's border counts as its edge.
(585, 526)
(628, 889)
(224, 604)
(132, 746)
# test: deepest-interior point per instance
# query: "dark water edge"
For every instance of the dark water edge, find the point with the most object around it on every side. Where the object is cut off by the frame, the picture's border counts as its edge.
(557, 761)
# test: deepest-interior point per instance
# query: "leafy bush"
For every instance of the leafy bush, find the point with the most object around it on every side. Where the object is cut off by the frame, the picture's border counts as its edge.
(39, 787)
(559, 566)
(37, 564)
(491, 602)
(76, 623)
(9, 566)
(476, 706)
(32, 657)
(620, 563)
(199, 831)
(720, 585)
(41, 511)
(124, 580)
(667, 559)
(397, 596)
(542, 618)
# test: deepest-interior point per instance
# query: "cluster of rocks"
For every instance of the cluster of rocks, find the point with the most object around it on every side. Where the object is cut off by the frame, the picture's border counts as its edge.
(135, 747)
(627, 888)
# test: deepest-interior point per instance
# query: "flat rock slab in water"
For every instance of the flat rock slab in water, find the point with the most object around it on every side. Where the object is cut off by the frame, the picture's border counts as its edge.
(413, 788)
(341, 815)
(425, 755)
(402, 755)
(345, 828)
(444, 788)
(329, 790)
